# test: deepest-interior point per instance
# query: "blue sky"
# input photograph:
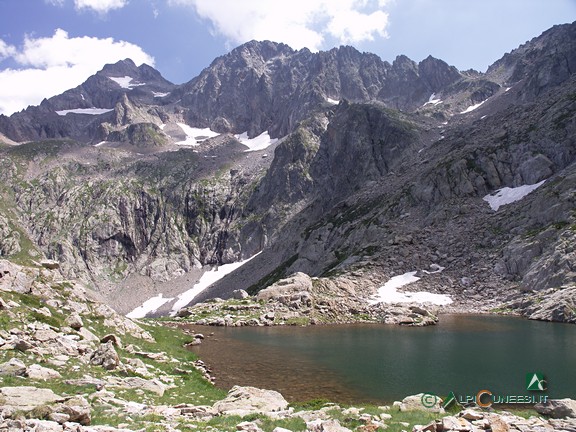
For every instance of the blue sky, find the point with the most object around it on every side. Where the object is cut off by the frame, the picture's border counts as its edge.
(47, 46)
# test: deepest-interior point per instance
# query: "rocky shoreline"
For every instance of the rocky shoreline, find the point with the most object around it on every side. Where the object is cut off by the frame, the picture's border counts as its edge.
(302, 300)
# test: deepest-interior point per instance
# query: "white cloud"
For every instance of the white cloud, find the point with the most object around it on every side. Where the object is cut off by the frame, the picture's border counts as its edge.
(54, 64)
(100, 6)
(6, 50)
(298, 23)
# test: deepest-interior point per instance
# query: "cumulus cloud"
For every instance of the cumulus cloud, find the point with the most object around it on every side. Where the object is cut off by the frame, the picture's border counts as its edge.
(54, 64)
(100, 6)
(6, 50)
(299, 23)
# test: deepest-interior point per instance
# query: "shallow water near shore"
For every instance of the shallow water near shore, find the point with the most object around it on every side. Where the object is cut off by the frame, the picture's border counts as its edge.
(382, 363)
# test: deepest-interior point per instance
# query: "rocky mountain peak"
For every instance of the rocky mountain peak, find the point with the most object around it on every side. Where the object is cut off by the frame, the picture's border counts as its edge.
(437, 73)
(266, 50)
(120, 68)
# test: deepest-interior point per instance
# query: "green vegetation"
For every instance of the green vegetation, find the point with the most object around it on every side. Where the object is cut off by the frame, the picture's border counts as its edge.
(46, 149)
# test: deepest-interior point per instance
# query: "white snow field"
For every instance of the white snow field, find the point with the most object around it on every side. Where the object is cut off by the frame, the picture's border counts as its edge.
(433, 100)
(508, 195)
(126, 82)
(260, 142)
(150, 305)
(194, 136)
(388, 293)
(91, 111)
(472, 108)
(205, 281)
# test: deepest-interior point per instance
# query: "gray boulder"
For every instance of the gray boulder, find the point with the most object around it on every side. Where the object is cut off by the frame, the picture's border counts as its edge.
(422, 402)
(13, 367)
(106, 356)
(42, 373)
(27, 398)
(296, 283)
(240, 294)
(75, 321)
(250, 400)
(557, 408)
(77, 409)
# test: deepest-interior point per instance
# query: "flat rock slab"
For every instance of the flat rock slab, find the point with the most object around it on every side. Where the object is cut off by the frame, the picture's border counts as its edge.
(27, 398)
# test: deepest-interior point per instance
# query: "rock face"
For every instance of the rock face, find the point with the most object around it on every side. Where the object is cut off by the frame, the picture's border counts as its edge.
(557, 305)
(243, 401)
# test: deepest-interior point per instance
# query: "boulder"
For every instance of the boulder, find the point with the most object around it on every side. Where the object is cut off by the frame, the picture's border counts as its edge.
(240, 294)
(250, 400)
(451, 423)
(248, 427)
(26, 398)
(557, 408)
(296, 283)
(331, 425)
(42, 373)
(45, 335)
(43, 425)
(422, 402)
(23, 345)
(75, 321)
(13, 367)
(112, 338)
(105, 356)
(154, 385)
(77, 409)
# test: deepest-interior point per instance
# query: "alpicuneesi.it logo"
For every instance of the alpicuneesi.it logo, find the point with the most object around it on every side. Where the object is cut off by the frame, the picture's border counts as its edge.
(535, 382)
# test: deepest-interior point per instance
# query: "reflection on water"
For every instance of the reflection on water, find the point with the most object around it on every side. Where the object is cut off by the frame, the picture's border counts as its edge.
(378, 363)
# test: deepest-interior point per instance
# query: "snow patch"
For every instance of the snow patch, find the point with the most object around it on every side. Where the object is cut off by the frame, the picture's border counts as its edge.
(509, 195)
(205, 281)
(91, 111)
(194, 136)
(332, 101)
(150, 305)
(126, 82)
(472, 108)
(432, 100)
(159, 94)
(101, 143)
(388, 293)
(260, 142)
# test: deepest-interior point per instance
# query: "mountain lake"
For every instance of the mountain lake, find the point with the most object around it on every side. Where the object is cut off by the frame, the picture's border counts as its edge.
(382, 363)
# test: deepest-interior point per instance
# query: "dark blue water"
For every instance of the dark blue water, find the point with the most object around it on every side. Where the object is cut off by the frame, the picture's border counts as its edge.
(463, 354)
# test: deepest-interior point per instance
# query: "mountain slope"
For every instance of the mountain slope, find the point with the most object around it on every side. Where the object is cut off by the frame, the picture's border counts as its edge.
(381, 169)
